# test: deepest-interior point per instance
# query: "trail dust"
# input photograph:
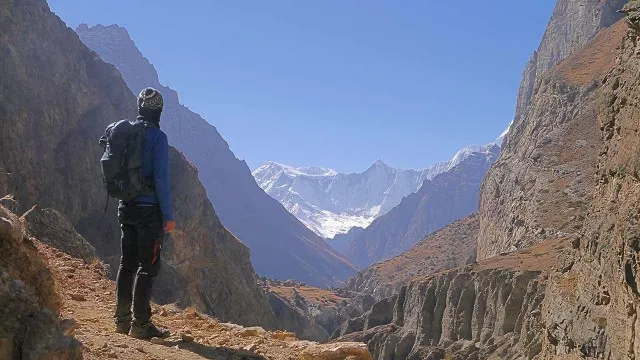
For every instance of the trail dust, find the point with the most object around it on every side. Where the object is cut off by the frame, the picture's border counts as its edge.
(89, 298)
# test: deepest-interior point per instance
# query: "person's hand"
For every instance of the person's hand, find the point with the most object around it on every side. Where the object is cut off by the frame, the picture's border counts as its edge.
(170, 226)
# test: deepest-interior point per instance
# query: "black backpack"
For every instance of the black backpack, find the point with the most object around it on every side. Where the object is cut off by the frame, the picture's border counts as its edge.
(122, 160)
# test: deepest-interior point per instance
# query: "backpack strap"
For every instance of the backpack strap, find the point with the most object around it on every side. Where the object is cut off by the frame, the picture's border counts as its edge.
(148, 188)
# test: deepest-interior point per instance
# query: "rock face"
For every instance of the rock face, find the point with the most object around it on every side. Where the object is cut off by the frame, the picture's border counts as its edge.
(449, 196)
(541, 185)
(247, 211)
(451, 247)
(489, 310)
(572, 25)
(599, 318)
(29, 327)
(55, 87)
(330, 203)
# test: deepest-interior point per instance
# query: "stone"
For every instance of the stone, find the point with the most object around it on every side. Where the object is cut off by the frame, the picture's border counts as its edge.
(187, 338)
(157, 341)
(283, 335)
(251, 347)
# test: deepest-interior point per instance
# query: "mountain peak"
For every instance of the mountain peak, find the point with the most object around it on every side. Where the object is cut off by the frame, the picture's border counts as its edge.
(379, 164)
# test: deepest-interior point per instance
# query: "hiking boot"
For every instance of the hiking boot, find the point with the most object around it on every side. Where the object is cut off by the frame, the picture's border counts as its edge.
(148, 331)
(123, 327)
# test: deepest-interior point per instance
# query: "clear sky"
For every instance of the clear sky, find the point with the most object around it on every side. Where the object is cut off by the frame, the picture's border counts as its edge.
(336, 83)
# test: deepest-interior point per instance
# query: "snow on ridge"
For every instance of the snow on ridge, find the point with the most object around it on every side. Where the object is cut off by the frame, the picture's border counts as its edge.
(331, 203)
(297, 171)
(500, 140)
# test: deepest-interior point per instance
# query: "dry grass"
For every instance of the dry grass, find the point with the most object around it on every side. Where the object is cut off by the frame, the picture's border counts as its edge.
(593, 61)
(449, 247)
(9, 197)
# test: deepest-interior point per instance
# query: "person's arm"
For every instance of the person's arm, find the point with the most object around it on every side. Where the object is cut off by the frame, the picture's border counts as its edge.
(161, 177)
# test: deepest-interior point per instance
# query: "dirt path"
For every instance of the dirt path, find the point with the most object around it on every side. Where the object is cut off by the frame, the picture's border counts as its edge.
(88, 298)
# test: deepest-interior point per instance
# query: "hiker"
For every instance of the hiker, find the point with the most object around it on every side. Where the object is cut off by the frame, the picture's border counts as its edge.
(144, 211)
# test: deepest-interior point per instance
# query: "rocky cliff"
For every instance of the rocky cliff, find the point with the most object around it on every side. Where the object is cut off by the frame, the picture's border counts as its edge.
(449, 196)
(56, 97)
(541, 185)
(572, 25)
(491, 310)
(451, 247)
(248, 212)
(599, 317)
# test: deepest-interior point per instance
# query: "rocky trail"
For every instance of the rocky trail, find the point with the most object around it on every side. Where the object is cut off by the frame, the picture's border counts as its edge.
(88, 299)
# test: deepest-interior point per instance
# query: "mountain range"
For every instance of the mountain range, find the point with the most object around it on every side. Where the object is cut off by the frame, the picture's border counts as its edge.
(449, 196)
(332, 203)
(258, 220)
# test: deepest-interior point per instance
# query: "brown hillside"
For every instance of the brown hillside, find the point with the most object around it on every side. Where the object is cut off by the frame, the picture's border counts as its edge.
(595, 59)
(451, 247)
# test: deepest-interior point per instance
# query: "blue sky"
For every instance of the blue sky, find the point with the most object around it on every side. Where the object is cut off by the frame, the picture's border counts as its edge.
(337, 83)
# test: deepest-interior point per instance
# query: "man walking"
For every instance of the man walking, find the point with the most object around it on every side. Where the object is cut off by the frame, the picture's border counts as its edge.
(143, 221)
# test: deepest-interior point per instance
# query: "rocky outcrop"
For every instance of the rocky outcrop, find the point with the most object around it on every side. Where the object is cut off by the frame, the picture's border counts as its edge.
(293, 317)
(48, 226)
(489, 310)
(573, 24)
(29, 326)
(449, 196)
(56, 97)
(313, 313)
(262, 223)
(451, 247)
(541, 185)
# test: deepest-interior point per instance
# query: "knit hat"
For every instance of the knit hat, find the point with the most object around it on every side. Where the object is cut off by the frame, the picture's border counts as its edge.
(150, 99)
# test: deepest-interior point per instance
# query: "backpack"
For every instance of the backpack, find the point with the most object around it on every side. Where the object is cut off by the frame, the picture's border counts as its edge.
(121, 162)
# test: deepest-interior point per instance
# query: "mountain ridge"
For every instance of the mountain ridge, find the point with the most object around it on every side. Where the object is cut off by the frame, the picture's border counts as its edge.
(316, 195)
(449, 196)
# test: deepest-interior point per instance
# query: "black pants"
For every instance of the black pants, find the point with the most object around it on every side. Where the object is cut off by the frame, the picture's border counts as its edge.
(142, 236)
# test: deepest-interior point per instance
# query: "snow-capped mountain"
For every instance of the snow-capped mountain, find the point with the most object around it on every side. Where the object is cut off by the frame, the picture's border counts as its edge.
(449, 196)
(332, 203)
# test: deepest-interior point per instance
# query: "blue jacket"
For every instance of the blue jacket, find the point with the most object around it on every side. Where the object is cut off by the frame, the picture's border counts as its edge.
(155, 168)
